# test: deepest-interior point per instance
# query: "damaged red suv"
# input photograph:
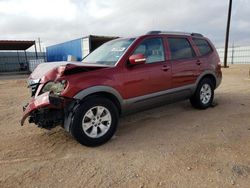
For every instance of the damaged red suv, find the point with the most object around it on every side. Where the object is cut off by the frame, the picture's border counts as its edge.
(122, 76)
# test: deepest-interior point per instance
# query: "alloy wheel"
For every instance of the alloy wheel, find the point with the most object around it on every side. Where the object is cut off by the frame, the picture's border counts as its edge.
(96, 121)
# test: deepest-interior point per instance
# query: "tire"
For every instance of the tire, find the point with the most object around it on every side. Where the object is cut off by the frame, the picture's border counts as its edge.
(95, 121)
(204, 94)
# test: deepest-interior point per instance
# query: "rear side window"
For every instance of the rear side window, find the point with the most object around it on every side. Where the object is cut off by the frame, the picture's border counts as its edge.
(180, 48)
(203, 46)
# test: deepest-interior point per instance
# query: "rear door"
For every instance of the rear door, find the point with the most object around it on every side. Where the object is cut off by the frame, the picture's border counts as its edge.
(185, 64)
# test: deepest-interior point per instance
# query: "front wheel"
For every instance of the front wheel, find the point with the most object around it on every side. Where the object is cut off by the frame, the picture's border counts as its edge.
(95, 121)
(204, 94)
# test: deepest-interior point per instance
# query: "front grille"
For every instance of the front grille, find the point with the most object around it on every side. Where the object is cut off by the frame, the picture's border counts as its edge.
(33, 85)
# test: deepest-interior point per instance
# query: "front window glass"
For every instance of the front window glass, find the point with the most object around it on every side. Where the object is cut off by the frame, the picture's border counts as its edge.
(109, 53)
(152, 49)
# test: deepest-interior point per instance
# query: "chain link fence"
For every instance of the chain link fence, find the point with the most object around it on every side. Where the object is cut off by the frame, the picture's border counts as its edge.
(17, 61)
(236, 54)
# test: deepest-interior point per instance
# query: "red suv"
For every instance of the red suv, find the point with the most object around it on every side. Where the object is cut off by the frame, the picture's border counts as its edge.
(120, 77)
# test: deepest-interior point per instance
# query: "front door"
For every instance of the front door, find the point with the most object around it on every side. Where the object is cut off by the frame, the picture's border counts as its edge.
(151, 77)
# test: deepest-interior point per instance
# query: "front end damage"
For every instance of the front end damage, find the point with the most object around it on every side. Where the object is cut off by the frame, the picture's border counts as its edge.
(52, 104)
(46, 110)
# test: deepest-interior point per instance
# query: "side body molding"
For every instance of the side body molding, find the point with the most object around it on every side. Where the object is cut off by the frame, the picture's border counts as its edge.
(131, 104)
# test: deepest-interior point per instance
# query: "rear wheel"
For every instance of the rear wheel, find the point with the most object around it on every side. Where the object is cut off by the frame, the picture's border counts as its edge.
(204, 94)
(95, 121)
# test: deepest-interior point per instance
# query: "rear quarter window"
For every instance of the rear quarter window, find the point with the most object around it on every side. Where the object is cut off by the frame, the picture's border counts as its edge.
(203, 46)
(180, 48)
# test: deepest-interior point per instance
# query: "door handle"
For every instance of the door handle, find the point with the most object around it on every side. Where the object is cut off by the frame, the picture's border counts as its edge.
(198, 62)
(165, 68)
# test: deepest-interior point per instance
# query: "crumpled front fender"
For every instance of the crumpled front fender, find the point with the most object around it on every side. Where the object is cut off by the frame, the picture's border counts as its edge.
(45, 100)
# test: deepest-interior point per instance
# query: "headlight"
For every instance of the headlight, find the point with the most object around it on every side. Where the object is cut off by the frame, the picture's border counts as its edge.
(33, 82)
(54, 87)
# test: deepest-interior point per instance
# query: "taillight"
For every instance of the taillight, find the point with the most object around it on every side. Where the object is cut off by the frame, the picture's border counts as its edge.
(219, 65)
(218, 68)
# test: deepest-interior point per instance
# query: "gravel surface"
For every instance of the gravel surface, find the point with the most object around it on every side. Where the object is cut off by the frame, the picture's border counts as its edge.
(169, 146)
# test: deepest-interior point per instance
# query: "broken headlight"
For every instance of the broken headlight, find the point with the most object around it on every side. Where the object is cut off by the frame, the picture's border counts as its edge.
(54, 87)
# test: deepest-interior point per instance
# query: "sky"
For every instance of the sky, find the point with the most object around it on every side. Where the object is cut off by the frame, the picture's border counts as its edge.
(56, 21)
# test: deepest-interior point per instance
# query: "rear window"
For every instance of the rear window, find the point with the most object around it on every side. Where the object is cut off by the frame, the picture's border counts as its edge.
(203, 46)
(180, 48)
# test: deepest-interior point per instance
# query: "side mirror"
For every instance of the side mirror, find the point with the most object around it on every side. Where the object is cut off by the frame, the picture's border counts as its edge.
(137, 59)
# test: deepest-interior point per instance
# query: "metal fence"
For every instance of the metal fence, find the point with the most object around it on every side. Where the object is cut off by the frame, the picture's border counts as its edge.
(236, 54)
(13, 61)
(17, 61)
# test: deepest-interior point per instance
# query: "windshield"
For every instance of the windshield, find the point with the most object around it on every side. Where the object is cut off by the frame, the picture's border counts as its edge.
(109, 53)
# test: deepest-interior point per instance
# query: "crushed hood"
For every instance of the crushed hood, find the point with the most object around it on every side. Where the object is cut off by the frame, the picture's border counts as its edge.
(70, 68)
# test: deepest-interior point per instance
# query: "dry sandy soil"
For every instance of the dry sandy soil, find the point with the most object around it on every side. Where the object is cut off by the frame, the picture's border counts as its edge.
(169, 146)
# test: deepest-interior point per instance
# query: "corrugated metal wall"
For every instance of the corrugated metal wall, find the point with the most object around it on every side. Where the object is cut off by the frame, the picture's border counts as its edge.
(78, 48)
(60, 52)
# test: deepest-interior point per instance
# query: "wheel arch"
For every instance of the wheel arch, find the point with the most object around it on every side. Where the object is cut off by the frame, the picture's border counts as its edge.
(207, 74)
(211, 77)
(107, 95)
(105, 91)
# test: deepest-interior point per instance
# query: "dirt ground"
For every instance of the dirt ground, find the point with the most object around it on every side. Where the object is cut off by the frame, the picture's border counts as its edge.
(170, 146)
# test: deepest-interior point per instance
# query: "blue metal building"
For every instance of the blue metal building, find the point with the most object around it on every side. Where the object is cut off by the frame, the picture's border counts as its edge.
(77, 48)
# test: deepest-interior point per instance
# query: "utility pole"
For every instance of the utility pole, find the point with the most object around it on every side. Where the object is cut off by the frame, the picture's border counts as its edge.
(39, 42)
(232, 62)
(36, 51)
(227, 33)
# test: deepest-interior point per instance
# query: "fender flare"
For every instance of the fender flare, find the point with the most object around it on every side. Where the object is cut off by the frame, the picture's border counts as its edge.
(204, 74)
(95, 89)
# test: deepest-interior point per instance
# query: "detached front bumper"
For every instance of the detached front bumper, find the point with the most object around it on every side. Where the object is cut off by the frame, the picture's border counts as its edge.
(43, 102)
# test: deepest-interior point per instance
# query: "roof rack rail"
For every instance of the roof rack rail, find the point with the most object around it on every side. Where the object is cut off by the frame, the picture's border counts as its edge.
(174, 33)
(153, 32)
(196, 35)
